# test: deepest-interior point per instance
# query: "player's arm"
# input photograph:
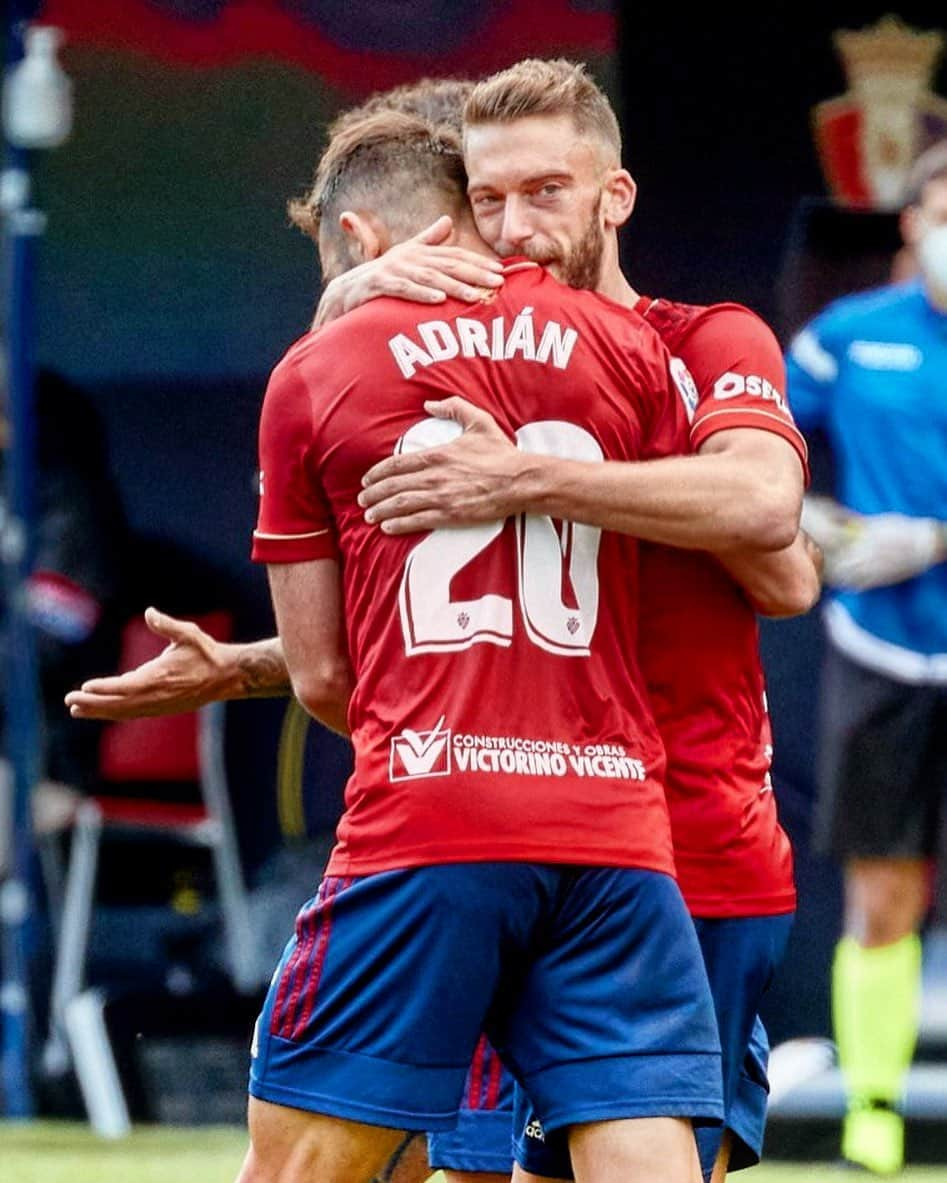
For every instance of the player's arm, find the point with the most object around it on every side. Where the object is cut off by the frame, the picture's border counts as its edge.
(745, 492)
(423, 268)
(779, 583)
(740, 381)
(307, 601)
(742, 491)
(192, 670)
(295, 537)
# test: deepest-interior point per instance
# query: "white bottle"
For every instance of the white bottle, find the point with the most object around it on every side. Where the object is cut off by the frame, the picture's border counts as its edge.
(37, 93)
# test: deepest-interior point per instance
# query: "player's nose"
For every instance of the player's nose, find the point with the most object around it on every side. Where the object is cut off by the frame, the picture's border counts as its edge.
(516, 228)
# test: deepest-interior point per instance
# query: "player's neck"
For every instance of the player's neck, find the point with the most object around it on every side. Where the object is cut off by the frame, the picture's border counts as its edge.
(612, 282)
(465, 235)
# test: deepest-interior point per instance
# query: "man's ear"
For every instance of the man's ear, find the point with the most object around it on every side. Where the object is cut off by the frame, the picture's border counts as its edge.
(367, 235)
(618, 197)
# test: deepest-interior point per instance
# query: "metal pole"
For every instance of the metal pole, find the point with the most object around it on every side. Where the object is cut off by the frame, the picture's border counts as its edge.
(22, 740)
(21, 225)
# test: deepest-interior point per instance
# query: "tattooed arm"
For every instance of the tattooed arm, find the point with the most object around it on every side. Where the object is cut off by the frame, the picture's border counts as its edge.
(191, 671)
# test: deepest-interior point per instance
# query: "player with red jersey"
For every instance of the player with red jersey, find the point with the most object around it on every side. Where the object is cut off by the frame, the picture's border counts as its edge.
(699, 641)
(516, 597)
(699, 649)
(231, 686)
(504, 857)
(699, 644)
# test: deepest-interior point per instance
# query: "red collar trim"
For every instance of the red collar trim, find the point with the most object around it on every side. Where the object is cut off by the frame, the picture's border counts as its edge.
(517, 263)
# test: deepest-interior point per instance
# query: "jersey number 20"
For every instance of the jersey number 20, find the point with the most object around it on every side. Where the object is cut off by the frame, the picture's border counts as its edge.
(434, 623)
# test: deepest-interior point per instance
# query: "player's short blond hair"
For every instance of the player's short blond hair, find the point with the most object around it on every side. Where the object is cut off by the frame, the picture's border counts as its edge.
(388, 163)
(931, 165)
(438, 100)
(538, 86)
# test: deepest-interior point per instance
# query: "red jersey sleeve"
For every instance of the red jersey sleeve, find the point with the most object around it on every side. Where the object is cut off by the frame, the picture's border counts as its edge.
(740, 375)
(294, 523)
(665, 429)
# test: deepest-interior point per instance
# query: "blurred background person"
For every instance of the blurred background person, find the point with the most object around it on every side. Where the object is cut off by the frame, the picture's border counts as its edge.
(75, 590)
(871, 371)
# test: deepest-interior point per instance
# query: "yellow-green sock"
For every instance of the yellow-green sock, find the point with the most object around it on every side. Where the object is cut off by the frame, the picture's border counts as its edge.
(875, 1010)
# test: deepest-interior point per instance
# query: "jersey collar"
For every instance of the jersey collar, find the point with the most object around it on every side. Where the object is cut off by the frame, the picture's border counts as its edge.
(518, 263)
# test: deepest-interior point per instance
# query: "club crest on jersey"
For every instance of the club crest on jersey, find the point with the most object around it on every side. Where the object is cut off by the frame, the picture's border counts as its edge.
(415, 754)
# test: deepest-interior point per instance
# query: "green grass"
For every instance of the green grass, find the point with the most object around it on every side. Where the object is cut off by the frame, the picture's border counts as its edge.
(814, 1172)
(47, 1152)
(59, 1152)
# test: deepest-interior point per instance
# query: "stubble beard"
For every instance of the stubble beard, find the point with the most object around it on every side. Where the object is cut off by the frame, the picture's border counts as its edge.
(582, 267)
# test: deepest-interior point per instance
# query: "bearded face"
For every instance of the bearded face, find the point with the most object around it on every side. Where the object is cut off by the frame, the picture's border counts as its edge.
(538, 188)
(579, 263)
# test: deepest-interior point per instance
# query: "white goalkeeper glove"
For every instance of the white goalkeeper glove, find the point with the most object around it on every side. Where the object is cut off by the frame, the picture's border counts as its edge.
(883, 549)
(827, 523)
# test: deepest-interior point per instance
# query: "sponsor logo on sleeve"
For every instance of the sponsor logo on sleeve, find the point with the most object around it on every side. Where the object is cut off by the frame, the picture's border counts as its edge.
(731, 385)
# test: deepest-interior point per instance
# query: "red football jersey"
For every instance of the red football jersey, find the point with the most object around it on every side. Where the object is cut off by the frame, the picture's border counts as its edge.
(700, 642)
(495, 715)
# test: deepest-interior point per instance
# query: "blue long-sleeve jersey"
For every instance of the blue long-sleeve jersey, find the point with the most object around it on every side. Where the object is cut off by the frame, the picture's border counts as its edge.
(871, 370)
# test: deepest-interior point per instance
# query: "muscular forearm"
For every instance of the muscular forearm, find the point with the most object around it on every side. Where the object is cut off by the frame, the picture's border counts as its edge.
(705, 502)
(779, 583)
(258, 670)
(308, 603)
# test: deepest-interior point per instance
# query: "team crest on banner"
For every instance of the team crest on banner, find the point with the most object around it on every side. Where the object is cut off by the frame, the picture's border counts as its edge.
(869, 137)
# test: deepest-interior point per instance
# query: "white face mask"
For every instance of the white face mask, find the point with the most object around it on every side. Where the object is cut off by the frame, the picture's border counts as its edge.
(932, 256)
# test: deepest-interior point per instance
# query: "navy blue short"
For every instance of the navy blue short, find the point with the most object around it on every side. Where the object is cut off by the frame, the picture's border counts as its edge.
(483, 1139)
(588, 981)
(741, 955)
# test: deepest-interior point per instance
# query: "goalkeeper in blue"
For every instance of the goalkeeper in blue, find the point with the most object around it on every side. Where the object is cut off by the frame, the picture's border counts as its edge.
(871, 371)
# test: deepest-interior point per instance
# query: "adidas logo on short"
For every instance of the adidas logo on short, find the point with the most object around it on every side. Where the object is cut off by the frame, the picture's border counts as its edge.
(535, 1130)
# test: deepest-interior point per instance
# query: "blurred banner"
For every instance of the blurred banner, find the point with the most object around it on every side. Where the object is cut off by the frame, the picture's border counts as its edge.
(384, 44)
(169, 254)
